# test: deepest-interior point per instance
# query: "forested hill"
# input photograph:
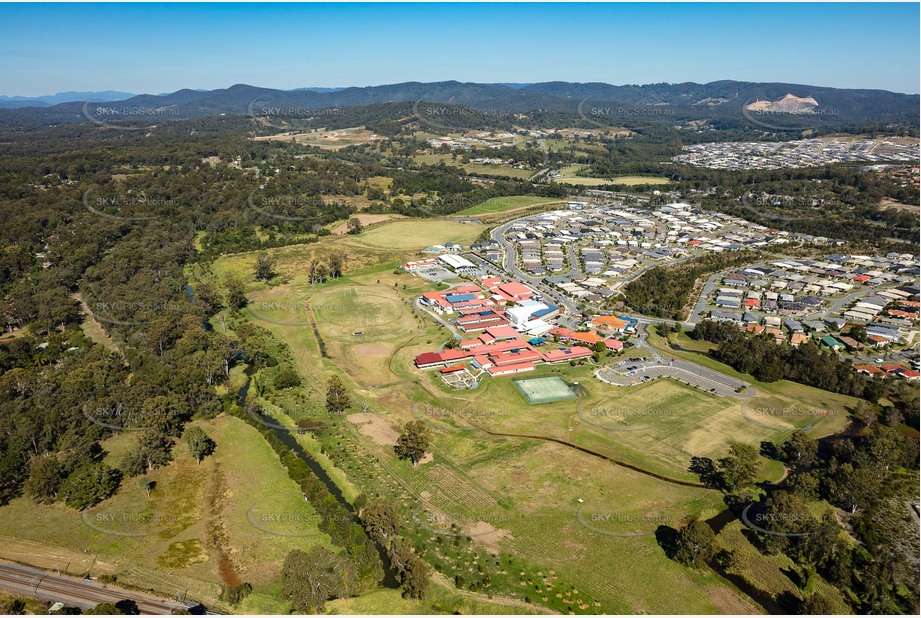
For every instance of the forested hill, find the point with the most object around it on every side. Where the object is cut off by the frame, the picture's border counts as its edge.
(715, 100)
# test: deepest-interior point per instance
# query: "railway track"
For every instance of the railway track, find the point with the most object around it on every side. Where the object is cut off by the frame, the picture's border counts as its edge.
(39, 584)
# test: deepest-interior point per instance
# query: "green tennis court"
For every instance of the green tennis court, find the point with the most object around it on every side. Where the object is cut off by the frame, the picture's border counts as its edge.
(544, 390)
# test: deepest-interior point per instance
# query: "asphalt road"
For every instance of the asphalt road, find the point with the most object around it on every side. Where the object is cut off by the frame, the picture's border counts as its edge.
(702, 377)
(36, 583)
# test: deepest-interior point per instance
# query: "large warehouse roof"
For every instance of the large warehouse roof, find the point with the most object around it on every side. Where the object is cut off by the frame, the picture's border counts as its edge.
(456, 261)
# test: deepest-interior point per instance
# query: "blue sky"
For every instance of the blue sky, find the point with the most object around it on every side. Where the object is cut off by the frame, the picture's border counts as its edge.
(164, 47)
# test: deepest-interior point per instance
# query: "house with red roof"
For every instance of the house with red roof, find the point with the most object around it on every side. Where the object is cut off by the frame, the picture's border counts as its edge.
(513, 291)
(501, 332)
(510, 369)
(481, 321)
(481, 362)
(590, 337)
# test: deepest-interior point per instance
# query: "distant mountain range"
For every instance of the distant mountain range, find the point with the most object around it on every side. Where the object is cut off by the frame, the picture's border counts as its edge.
(721, 99)
(62, 97)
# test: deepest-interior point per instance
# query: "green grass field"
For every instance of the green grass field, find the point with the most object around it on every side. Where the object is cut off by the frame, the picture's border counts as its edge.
(503, 204)
(640, 180)
(487, 483)
(163, 542)
(570, 175)
(502, 471)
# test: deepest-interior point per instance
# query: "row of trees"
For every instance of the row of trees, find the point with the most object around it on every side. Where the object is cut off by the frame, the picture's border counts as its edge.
(761, 357)
(665, 291)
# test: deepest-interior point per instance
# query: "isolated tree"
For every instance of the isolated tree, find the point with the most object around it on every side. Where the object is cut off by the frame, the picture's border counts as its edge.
(317, 269)
(200, 445)
(739, 468)
(148, 485)
(335, 262)
(695, 543)
(265, 266)
(354, 226)
(153, 450)
(858, 333)
(234, 293)
(286, 378)
(413, 442)
(337, 397)
(46, 474)
(235, 594)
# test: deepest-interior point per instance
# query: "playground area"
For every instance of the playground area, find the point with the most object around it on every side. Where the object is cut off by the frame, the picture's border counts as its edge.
(459, 378)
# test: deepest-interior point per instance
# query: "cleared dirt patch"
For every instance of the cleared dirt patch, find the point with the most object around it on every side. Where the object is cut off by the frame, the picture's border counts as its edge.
(887, 204)
(329, 140)
(728, 602)
(342, 228)
(371, 349)
(375, 427)
(487, 535)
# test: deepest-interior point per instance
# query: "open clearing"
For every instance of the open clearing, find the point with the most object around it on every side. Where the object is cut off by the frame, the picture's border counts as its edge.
(415, 235)
(640, 180)
(328, 140)
(570, 175)
(375, 427)
(480, 169)
(366, 220)
(890, 204)
(163, 541)
(507, 203)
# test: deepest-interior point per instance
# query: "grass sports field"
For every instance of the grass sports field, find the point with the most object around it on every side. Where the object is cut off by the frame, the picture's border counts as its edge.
(544, 390)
